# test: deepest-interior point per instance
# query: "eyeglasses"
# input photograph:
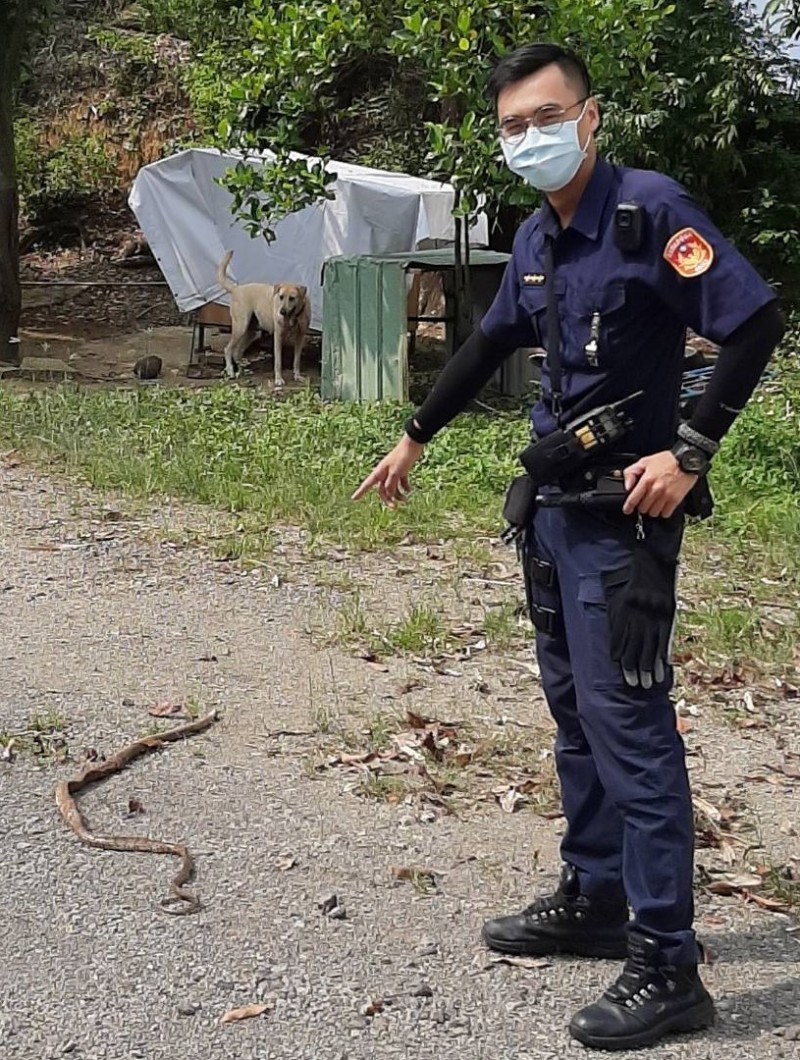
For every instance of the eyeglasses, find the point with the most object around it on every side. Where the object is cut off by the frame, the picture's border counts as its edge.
(547, 119)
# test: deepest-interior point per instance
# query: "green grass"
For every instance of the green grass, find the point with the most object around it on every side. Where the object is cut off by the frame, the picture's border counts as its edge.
(740, 633)
(295, 462)
(420, 632)
(502, 627)
(49, 722)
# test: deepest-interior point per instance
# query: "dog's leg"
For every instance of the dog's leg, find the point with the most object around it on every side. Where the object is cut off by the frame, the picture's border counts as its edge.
(231, 367)
(278, 341)
(299, 341)
(239, 342)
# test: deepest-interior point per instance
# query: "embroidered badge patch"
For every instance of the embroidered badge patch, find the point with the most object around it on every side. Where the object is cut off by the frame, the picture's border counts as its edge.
(688, 253)
(533, 279)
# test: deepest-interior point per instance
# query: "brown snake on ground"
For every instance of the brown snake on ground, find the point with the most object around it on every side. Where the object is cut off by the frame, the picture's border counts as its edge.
(183, 900)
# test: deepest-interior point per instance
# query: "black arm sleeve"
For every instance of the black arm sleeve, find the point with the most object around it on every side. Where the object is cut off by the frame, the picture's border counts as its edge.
(464, 376)
(740, 363)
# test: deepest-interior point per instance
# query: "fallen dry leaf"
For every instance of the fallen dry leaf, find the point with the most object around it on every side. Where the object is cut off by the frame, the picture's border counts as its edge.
(287, 863)
(418, 721)
(783, 769)
(770, 904)
(419, 877)
(509, 800)
(167, 710)
(728, 885)
(135, 806)
(520, 962)
(706, 809)
(409, 686)
(246, 1012)
(373, 1008)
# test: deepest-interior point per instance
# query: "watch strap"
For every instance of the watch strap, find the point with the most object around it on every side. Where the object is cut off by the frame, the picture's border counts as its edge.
(698, 440)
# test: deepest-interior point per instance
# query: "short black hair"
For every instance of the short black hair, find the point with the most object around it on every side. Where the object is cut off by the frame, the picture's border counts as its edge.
(532, 58)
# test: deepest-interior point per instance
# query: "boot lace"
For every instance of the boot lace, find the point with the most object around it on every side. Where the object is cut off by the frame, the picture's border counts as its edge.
(555, 907)
(639, 982)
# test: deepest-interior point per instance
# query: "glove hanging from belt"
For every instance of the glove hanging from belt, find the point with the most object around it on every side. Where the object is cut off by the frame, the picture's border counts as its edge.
(641, 612)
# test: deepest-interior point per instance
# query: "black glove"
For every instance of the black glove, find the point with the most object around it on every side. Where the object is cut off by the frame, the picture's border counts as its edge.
(641, 611)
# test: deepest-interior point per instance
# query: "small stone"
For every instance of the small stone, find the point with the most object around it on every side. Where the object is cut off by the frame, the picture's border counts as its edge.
(127, 702)
(70, 1047)
(422, 990)
(333, 909)
(188, 1008)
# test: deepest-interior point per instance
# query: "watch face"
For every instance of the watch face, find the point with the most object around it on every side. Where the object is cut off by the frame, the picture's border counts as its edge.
(693, 461)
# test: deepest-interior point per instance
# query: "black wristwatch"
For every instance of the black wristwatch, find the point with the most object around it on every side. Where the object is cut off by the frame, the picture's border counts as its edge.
(691, 459)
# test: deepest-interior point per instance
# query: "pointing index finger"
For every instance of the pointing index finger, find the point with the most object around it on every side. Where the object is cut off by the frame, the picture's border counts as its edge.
(365, 486)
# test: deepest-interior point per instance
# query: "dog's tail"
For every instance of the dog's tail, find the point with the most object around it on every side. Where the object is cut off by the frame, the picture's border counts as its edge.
(222, 274)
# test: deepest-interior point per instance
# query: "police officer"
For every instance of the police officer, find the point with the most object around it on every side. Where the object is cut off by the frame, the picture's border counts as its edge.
(606, 276)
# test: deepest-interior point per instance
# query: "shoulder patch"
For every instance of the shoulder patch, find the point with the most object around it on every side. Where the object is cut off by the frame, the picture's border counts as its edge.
(688, 253)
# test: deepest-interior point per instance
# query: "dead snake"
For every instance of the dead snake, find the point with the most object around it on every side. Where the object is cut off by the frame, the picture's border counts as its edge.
(183, 901)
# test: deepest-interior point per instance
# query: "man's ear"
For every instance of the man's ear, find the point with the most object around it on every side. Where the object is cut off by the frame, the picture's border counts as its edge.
(595, 116)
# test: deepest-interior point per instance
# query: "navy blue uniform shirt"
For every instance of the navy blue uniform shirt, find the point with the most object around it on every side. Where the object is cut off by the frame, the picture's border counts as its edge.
(623, 315)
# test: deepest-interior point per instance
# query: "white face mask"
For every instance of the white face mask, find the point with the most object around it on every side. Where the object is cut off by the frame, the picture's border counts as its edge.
(547, 160)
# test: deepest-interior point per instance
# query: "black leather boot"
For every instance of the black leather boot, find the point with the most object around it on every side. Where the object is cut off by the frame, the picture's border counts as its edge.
(564, 922)
(648, 1001)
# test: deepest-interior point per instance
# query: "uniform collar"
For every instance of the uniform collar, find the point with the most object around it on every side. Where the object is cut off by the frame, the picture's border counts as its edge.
(590, 208)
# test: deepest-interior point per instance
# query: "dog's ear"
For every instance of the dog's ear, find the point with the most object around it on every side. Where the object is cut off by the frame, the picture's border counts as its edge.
(303, 290)
(278, 289)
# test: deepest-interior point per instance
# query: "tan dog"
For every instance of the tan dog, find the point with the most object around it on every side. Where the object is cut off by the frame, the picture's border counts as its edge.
(282, 309)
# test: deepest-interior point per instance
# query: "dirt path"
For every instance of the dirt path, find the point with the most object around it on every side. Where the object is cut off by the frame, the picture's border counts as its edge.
(105, 613)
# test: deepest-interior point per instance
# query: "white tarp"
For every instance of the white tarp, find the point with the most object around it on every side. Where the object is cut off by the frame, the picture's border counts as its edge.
(185, 217)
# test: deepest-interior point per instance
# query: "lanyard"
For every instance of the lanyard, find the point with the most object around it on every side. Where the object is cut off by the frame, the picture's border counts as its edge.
(553, 329)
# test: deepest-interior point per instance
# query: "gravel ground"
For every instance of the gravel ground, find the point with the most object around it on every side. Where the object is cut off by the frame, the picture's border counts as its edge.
(102, 617)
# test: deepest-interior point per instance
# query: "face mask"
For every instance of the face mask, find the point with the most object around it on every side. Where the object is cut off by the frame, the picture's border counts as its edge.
(547, 161)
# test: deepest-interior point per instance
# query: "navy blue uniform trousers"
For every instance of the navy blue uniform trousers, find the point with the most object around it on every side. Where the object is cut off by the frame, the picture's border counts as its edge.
(620, 758)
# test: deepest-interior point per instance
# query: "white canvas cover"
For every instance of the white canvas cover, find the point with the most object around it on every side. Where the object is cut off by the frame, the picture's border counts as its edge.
(185, 217)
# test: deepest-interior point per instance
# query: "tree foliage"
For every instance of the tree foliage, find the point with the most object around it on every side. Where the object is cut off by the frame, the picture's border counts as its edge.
(20, 21)
(787, 16)
(699, 89)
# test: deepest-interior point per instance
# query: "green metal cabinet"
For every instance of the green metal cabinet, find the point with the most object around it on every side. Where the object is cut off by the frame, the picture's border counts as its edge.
(364, 330)
(365, 318)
